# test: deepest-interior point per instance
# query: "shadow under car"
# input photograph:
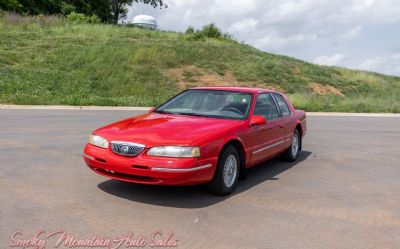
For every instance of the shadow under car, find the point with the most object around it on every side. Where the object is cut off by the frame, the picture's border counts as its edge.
(196, 196)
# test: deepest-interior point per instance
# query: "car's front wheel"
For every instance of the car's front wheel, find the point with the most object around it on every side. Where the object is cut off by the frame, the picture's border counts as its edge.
(227, 172)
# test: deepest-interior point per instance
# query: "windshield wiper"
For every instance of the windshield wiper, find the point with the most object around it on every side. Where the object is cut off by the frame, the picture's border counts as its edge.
(181, 113)
(165, 112)
(192, 114)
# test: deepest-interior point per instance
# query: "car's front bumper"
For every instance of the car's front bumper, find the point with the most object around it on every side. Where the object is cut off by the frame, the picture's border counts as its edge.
(146, 169)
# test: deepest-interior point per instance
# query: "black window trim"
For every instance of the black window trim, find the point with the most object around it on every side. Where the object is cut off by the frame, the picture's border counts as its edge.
(276, 106)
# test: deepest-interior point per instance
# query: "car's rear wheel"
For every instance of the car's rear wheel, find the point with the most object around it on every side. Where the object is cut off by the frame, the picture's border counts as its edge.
(227, 172)
(292, 152)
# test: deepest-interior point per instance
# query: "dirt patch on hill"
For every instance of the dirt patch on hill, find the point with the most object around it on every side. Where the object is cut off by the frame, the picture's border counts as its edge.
(325, 89)
(192, 76)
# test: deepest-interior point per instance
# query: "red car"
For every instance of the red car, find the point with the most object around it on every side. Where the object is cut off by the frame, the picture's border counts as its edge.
(202, 135)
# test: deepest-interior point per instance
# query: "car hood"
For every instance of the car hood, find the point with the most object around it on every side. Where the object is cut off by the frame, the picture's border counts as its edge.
(154, 129)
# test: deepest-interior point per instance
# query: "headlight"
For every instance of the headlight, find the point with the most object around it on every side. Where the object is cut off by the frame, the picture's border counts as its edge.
(98, 141)
(174, 151)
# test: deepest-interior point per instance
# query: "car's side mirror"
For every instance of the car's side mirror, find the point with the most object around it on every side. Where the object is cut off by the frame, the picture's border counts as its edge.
(152, 109)
(257, 120)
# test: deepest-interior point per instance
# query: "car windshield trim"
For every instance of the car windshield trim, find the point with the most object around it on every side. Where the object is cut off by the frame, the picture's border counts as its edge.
(245, 116)
(197, 115)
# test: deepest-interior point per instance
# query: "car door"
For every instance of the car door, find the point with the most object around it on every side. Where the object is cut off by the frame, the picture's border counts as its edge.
(286, 118)
(266, 139)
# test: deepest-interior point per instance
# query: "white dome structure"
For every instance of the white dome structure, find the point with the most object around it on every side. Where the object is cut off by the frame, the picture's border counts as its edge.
(144, 21)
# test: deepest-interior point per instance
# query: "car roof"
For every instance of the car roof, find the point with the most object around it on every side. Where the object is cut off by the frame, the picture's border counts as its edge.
(235, 89)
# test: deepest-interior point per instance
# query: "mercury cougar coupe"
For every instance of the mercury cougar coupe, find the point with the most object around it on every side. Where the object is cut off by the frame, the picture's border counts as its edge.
(203, 135)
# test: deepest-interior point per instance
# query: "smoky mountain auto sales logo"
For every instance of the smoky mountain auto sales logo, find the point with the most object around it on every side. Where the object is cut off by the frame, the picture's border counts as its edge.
(63, 239)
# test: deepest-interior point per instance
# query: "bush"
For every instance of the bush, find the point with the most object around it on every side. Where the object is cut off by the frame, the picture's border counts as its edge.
(190, 30)
(211, 31)
(67, 8)
(10, 5)
(208, 31)
(79, 18)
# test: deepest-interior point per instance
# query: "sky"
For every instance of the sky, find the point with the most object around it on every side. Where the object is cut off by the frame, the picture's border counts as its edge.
(359, 34)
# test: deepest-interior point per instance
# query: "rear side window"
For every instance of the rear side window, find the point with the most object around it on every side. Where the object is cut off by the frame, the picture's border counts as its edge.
(282, 105)
(265, 106)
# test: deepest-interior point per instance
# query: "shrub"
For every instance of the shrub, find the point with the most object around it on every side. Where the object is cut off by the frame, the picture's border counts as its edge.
(190, 30)
(208, 31)
(67, 8)
(10, 5)
(211, 31)
(228, 36)
(79, 18)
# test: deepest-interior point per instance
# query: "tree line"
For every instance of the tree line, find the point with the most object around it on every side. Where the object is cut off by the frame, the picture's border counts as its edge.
(108, 11)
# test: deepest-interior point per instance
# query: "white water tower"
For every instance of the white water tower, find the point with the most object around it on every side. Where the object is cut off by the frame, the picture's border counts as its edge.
(144, 21)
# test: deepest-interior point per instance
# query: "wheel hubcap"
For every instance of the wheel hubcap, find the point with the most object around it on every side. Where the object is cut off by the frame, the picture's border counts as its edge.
(295, 145)
(230, 170)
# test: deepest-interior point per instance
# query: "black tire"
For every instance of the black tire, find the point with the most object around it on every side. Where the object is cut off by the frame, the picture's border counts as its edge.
(218, 185)
(290, 154)
(243, 173)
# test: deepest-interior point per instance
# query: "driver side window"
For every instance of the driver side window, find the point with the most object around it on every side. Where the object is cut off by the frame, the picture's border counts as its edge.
(265, 106)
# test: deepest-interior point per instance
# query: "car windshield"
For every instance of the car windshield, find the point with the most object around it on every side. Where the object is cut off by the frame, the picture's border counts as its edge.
(209, 103)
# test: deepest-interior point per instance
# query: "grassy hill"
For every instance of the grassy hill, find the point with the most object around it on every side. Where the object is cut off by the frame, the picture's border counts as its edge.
(47, 61)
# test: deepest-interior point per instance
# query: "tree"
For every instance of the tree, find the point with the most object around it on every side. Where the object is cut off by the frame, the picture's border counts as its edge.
(32, 7)
(11, 5)
(102, 9)
(119, 7)
(211, 31)
(109, 11)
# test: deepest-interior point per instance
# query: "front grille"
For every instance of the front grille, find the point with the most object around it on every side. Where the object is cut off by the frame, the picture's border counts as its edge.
(126, 148)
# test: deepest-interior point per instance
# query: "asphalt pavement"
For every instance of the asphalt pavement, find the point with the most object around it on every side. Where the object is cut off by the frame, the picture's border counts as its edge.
(343, 192)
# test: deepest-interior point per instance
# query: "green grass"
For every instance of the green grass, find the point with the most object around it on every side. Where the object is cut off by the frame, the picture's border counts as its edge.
(59, 63)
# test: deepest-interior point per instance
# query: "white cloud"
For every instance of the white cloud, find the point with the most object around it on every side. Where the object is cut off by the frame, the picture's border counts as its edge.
(286, 10)
(352, 32)
(332, 60)
(272, 42)
(229, 7)
(395, 57)
(372, 64)
(248, 24)
(385, 64)
(312, 30)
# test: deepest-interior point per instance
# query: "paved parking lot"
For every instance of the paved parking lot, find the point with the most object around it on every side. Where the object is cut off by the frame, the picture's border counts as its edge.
(344, 192)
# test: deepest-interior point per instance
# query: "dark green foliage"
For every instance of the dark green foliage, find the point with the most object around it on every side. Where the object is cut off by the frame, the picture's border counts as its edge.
(190, 30)
(109, 11)
(208, 31)
(79, 18)
(67, 8)
(211, 31)
(46, 7)
(10, 5)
